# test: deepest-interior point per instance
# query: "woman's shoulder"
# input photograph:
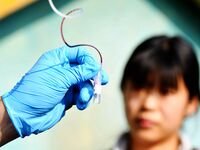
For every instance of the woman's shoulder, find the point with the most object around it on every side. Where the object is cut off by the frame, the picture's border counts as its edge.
(123, 142)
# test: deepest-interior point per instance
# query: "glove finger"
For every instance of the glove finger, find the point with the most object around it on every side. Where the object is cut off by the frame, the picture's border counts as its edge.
(73, 55)
(82, 72)
(79, 95)
(82, 106)
(86, 92)
(104, 77)
(70, 97)
(83, 65)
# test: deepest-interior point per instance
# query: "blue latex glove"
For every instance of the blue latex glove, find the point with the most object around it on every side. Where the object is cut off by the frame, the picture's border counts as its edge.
(59, 79)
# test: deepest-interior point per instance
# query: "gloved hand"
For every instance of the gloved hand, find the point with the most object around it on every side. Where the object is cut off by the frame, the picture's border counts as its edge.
(59, 79)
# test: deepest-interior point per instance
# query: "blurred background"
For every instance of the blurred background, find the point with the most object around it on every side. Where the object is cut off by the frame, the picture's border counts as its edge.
(28, 28)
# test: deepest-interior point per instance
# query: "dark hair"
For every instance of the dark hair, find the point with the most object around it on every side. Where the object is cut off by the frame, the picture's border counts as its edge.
(159, 61)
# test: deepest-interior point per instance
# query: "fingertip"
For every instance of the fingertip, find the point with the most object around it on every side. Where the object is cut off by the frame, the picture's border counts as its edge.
(74, 53)
(82, 106)
(85, 95)
(105, 78)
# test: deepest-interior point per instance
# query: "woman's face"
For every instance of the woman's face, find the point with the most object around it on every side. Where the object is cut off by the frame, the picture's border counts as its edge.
(153, 116)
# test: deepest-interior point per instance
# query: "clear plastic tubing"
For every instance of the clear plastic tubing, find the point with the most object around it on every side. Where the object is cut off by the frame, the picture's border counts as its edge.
(72, 14)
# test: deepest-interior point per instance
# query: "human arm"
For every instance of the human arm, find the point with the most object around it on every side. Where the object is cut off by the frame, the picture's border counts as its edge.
(59, 79)
(7, 130)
